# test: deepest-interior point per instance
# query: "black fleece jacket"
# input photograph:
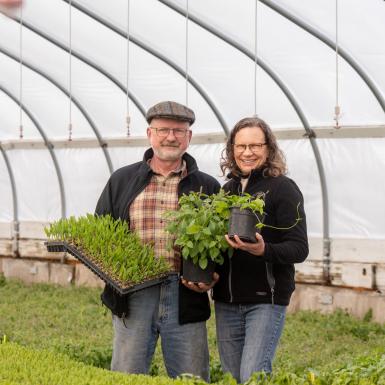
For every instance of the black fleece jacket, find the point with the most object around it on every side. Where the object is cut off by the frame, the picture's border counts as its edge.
(243, 277)
(122, 188)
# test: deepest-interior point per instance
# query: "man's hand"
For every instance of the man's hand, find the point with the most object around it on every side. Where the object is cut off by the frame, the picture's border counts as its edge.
(201, 287)
(252, 248)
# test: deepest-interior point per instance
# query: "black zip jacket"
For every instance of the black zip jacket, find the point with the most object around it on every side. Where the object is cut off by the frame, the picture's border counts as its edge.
(122, 188)
(244, 277)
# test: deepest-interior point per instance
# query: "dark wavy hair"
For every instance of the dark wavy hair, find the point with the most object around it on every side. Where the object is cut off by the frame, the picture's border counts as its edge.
(275, 163)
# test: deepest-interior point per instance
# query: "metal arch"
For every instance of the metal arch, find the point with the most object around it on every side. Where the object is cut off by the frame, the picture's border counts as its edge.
(309, 132)
(160, 56)
(319, 35)
(48, 145)
(16, 223)
(84, 60)
(102, 143)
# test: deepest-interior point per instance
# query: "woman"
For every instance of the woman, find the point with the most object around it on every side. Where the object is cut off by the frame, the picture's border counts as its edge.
(256, 283)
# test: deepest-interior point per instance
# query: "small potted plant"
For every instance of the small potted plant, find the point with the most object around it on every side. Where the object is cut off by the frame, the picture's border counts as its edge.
(110, 250)
(246, 216)
(200, 224)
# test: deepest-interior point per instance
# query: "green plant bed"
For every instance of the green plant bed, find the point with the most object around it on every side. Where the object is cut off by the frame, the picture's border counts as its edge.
(31, 367)
(70, 320)
(110, 250)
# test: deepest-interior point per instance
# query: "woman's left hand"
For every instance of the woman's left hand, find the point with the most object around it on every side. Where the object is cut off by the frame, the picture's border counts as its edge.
(252, 248)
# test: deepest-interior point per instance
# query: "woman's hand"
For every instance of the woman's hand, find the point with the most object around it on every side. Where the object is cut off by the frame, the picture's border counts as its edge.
(252, 248)
(201, 287)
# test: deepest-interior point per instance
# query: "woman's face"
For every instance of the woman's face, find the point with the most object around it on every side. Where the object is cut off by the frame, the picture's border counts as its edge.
(250, 149)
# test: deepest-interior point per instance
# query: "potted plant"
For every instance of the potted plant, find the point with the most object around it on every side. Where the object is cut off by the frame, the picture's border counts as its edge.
(200, 224)
(246, 216)
(110, 250)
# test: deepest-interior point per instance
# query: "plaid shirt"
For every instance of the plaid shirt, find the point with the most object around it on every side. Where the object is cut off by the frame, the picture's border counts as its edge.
(146, 213)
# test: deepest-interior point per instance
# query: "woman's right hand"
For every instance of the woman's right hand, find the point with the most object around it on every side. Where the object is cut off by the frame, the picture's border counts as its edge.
(257, 248)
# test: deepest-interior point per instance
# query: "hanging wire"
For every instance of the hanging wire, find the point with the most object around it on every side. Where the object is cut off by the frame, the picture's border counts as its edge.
(256, 59)
(21, 133)
(186, 47)
(337, 108)
(128, 119)
(70, 72)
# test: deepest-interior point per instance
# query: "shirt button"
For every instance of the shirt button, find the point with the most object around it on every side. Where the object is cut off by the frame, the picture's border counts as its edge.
(160, 221)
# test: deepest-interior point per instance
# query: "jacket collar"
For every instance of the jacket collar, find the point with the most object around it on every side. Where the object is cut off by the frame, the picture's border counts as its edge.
(254, 175)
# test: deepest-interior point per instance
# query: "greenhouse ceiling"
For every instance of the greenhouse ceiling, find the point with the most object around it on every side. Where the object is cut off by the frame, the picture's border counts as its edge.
(72, 73)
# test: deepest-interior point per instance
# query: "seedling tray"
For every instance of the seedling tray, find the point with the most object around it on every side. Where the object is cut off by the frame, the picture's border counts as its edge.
(61, 246)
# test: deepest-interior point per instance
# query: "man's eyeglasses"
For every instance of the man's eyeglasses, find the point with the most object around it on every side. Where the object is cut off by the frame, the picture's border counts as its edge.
(254, 147)
(165, 131)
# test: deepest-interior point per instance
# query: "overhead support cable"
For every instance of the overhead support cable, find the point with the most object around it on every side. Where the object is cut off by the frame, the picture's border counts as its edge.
(309, 132)
(128, 118)
(16, 223)
(186, 52)
(85, 60)
(325, 39)
(70, 71)
(47, 143)
(21, 74)
(256, 59)
(157, 54)
(337, 109)
(101, 141)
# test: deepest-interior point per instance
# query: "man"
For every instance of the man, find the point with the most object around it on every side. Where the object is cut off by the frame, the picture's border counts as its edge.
(176, 310)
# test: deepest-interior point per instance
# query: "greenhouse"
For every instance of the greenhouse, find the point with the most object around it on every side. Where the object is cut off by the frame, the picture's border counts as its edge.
(76, 80)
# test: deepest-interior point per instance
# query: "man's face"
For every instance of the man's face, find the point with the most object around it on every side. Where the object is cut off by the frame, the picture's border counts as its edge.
(169, 145)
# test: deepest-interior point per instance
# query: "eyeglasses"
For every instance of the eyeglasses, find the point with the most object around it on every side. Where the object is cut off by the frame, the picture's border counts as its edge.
(254, 147)
(165, 131)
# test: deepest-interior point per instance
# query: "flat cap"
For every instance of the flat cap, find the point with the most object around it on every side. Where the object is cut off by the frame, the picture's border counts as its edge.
(170, 110)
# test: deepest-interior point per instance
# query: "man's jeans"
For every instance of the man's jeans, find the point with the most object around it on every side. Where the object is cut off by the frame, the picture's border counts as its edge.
(153, 312)
(247, 336)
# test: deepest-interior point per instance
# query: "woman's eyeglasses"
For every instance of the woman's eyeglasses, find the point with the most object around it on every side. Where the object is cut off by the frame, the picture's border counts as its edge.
(254, 147)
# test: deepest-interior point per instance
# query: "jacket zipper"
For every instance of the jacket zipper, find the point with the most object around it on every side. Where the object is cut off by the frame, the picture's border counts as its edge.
(230, 271)
(230, 260)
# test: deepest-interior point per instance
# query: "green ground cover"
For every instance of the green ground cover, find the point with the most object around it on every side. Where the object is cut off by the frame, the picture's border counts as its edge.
(26, 366)
(71, 321)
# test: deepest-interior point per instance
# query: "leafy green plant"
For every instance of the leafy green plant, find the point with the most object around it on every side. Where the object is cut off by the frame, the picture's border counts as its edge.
(201, 222)
(111, 246)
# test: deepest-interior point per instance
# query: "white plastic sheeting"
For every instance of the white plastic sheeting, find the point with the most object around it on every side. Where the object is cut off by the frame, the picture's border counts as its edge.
(305, 65)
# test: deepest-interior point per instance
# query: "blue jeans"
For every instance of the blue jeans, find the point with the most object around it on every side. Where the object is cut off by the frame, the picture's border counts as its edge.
(247, 337)
(152, 312)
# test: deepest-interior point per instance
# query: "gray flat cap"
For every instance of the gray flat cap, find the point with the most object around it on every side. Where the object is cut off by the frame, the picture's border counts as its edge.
(170, 110)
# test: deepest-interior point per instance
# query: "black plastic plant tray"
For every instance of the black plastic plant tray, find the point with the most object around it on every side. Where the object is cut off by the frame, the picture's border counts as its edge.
(55, 246)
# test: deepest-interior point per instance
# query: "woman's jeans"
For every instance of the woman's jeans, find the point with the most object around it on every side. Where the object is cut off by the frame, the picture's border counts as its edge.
(153, 312)
(247, 337)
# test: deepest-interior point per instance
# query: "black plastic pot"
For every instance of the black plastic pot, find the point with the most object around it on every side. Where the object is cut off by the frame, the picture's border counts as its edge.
(194, 273)
(56, 246)
(242, 223)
